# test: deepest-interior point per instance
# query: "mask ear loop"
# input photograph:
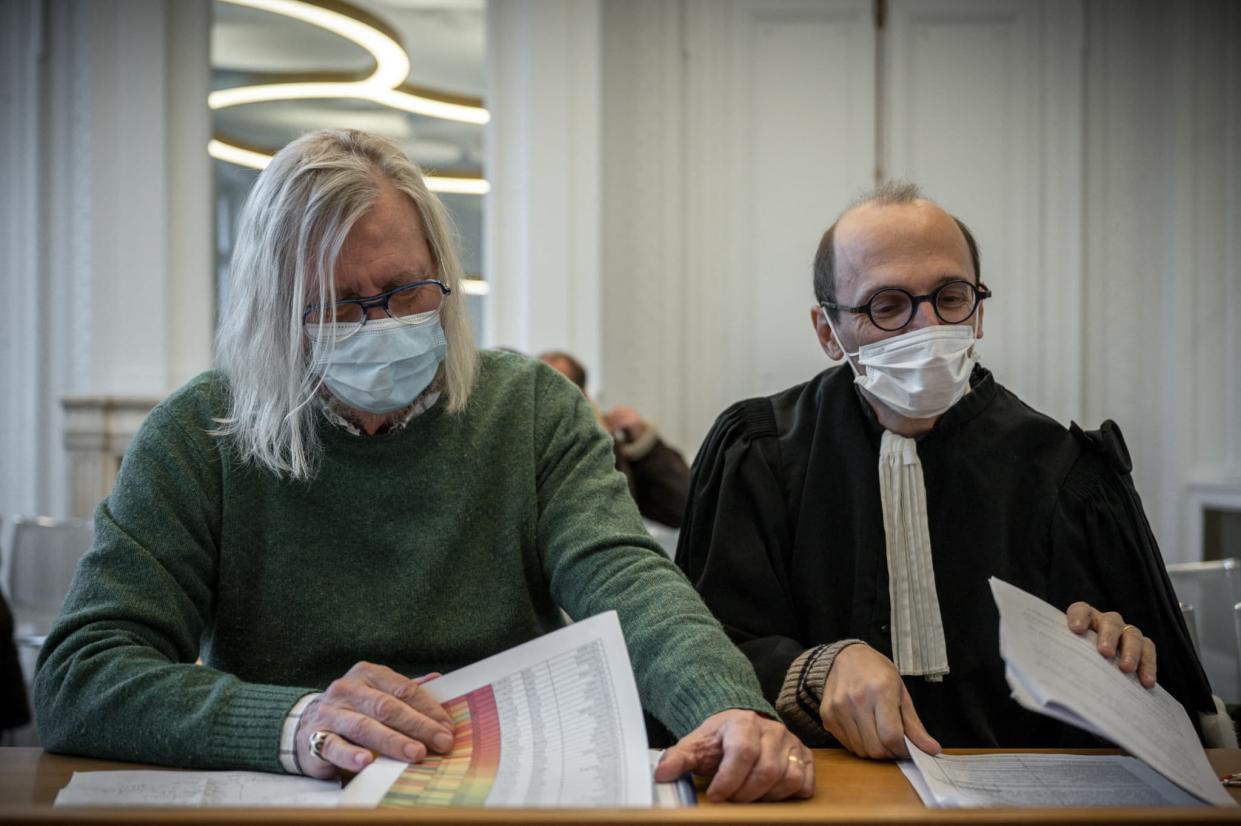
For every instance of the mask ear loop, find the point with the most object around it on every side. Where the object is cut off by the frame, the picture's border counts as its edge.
(827, 317)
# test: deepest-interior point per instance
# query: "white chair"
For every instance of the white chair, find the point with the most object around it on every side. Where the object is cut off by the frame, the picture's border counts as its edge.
(1191, 622)
(665, 536)
(1210, 593)
(43, 555)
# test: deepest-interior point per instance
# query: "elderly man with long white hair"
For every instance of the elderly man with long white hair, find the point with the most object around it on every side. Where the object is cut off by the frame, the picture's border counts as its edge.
(357, 498)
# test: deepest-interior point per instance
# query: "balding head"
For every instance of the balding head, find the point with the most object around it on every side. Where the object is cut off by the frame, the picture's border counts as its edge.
(896, 204)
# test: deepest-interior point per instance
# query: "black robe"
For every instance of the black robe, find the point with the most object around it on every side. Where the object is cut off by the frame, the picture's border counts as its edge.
(783, 537)
(14, 710)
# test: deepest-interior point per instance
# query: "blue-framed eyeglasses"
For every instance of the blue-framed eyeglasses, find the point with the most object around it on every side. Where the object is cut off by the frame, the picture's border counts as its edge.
(892, 308)
(406, 303)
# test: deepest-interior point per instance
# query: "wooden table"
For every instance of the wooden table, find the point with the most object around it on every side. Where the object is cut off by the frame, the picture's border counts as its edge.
(850, 790)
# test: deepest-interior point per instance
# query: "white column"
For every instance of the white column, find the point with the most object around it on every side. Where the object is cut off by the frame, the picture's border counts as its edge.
(190, 273)
(21, 32)
(543, 146)
(104, 134)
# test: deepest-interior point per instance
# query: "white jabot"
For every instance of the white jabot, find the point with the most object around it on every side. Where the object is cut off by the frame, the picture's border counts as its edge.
(918, 646)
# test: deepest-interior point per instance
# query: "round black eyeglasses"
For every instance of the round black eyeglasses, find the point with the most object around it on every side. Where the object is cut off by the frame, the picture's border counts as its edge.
(892, 308)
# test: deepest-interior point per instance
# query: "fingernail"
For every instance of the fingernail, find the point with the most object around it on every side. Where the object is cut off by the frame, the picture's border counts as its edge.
(413, 754)
(442, 741)
(361, 759)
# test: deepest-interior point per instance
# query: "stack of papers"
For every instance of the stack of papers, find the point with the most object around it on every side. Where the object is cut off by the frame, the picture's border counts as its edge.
(1055, 672)
(1039, 780)
(177, 788)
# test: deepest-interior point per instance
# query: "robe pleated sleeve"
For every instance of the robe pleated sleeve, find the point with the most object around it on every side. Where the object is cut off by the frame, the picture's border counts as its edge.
(1104, 552)
(734, 539)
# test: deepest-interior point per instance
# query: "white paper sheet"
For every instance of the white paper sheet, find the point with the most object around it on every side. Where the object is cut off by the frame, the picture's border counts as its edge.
(1053, 671)
(553, 722)
(1039, 780)
(178, 788)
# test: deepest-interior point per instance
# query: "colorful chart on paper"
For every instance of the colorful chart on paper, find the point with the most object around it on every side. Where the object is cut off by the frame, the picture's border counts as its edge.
(464, 777)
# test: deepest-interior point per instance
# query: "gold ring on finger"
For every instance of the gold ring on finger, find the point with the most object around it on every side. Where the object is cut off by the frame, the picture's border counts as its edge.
(1127, 627)
(793, 758)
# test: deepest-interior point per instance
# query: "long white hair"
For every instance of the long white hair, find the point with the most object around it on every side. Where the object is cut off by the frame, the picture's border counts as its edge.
(289, 235)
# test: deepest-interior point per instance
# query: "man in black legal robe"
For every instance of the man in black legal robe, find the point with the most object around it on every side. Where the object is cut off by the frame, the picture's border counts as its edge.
(912, 458)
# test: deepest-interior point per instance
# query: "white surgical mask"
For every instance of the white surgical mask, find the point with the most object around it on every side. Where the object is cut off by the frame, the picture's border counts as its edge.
(919, 374)
(385, 365)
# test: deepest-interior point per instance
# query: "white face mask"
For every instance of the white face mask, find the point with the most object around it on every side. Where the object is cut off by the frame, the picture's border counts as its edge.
(387, 364)
(919, 374)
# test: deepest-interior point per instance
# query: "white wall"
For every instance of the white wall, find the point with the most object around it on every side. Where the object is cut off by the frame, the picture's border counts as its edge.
(107, 256)
(542, 217)
(1162, 320)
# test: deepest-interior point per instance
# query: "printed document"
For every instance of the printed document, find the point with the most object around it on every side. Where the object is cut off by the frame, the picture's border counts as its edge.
(1039, 780)
(553, 722)
(178, 788)
(1055, 672)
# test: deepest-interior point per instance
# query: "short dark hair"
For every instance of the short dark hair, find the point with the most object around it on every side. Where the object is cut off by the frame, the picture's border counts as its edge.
(886, 194)
(575, 372)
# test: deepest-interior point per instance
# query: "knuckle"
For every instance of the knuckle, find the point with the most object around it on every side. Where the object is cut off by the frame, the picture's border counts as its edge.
(857, 695)
(747, 750)
(384, 707)
(766, 774)
(354, 728)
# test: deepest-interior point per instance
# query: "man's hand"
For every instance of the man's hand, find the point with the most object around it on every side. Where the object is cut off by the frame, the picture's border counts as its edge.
(752, 758)
(372, 709)
(627, 421)
(1133, 651)
(867, 708)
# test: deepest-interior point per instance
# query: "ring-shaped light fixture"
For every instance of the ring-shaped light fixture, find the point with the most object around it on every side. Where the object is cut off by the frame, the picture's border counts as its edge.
(382, 86)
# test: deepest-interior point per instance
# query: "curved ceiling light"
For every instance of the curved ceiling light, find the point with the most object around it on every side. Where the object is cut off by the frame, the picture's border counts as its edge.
(382, 86)
(451, 184)
(391, 62)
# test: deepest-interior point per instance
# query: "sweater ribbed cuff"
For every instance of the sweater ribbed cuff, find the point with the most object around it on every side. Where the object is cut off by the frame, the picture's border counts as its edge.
(246, 731)
(691, 705)
(802, 692)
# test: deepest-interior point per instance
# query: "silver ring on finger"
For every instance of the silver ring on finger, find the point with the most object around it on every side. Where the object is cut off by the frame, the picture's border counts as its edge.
(317, 740)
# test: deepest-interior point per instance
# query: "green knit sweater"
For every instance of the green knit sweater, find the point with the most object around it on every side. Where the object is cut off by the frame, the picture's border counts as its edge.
(423, 549)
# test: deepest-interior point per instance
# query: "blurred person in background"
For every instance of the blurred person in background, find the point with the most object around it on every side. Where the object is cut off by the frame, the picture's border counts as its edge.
(657, 473)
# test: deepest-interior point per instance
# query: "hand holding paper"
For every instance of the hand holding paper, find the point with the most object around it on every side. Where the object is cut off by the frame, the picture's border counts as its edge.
(867, 707)
(1133, 652)
(372, 708)
(1053, 671)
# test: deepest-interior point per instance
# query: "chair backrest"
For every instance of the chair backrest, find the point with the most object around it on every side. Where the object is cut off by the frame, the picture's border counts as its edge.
(665, 536)
(1212, 590)
(43, 556)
